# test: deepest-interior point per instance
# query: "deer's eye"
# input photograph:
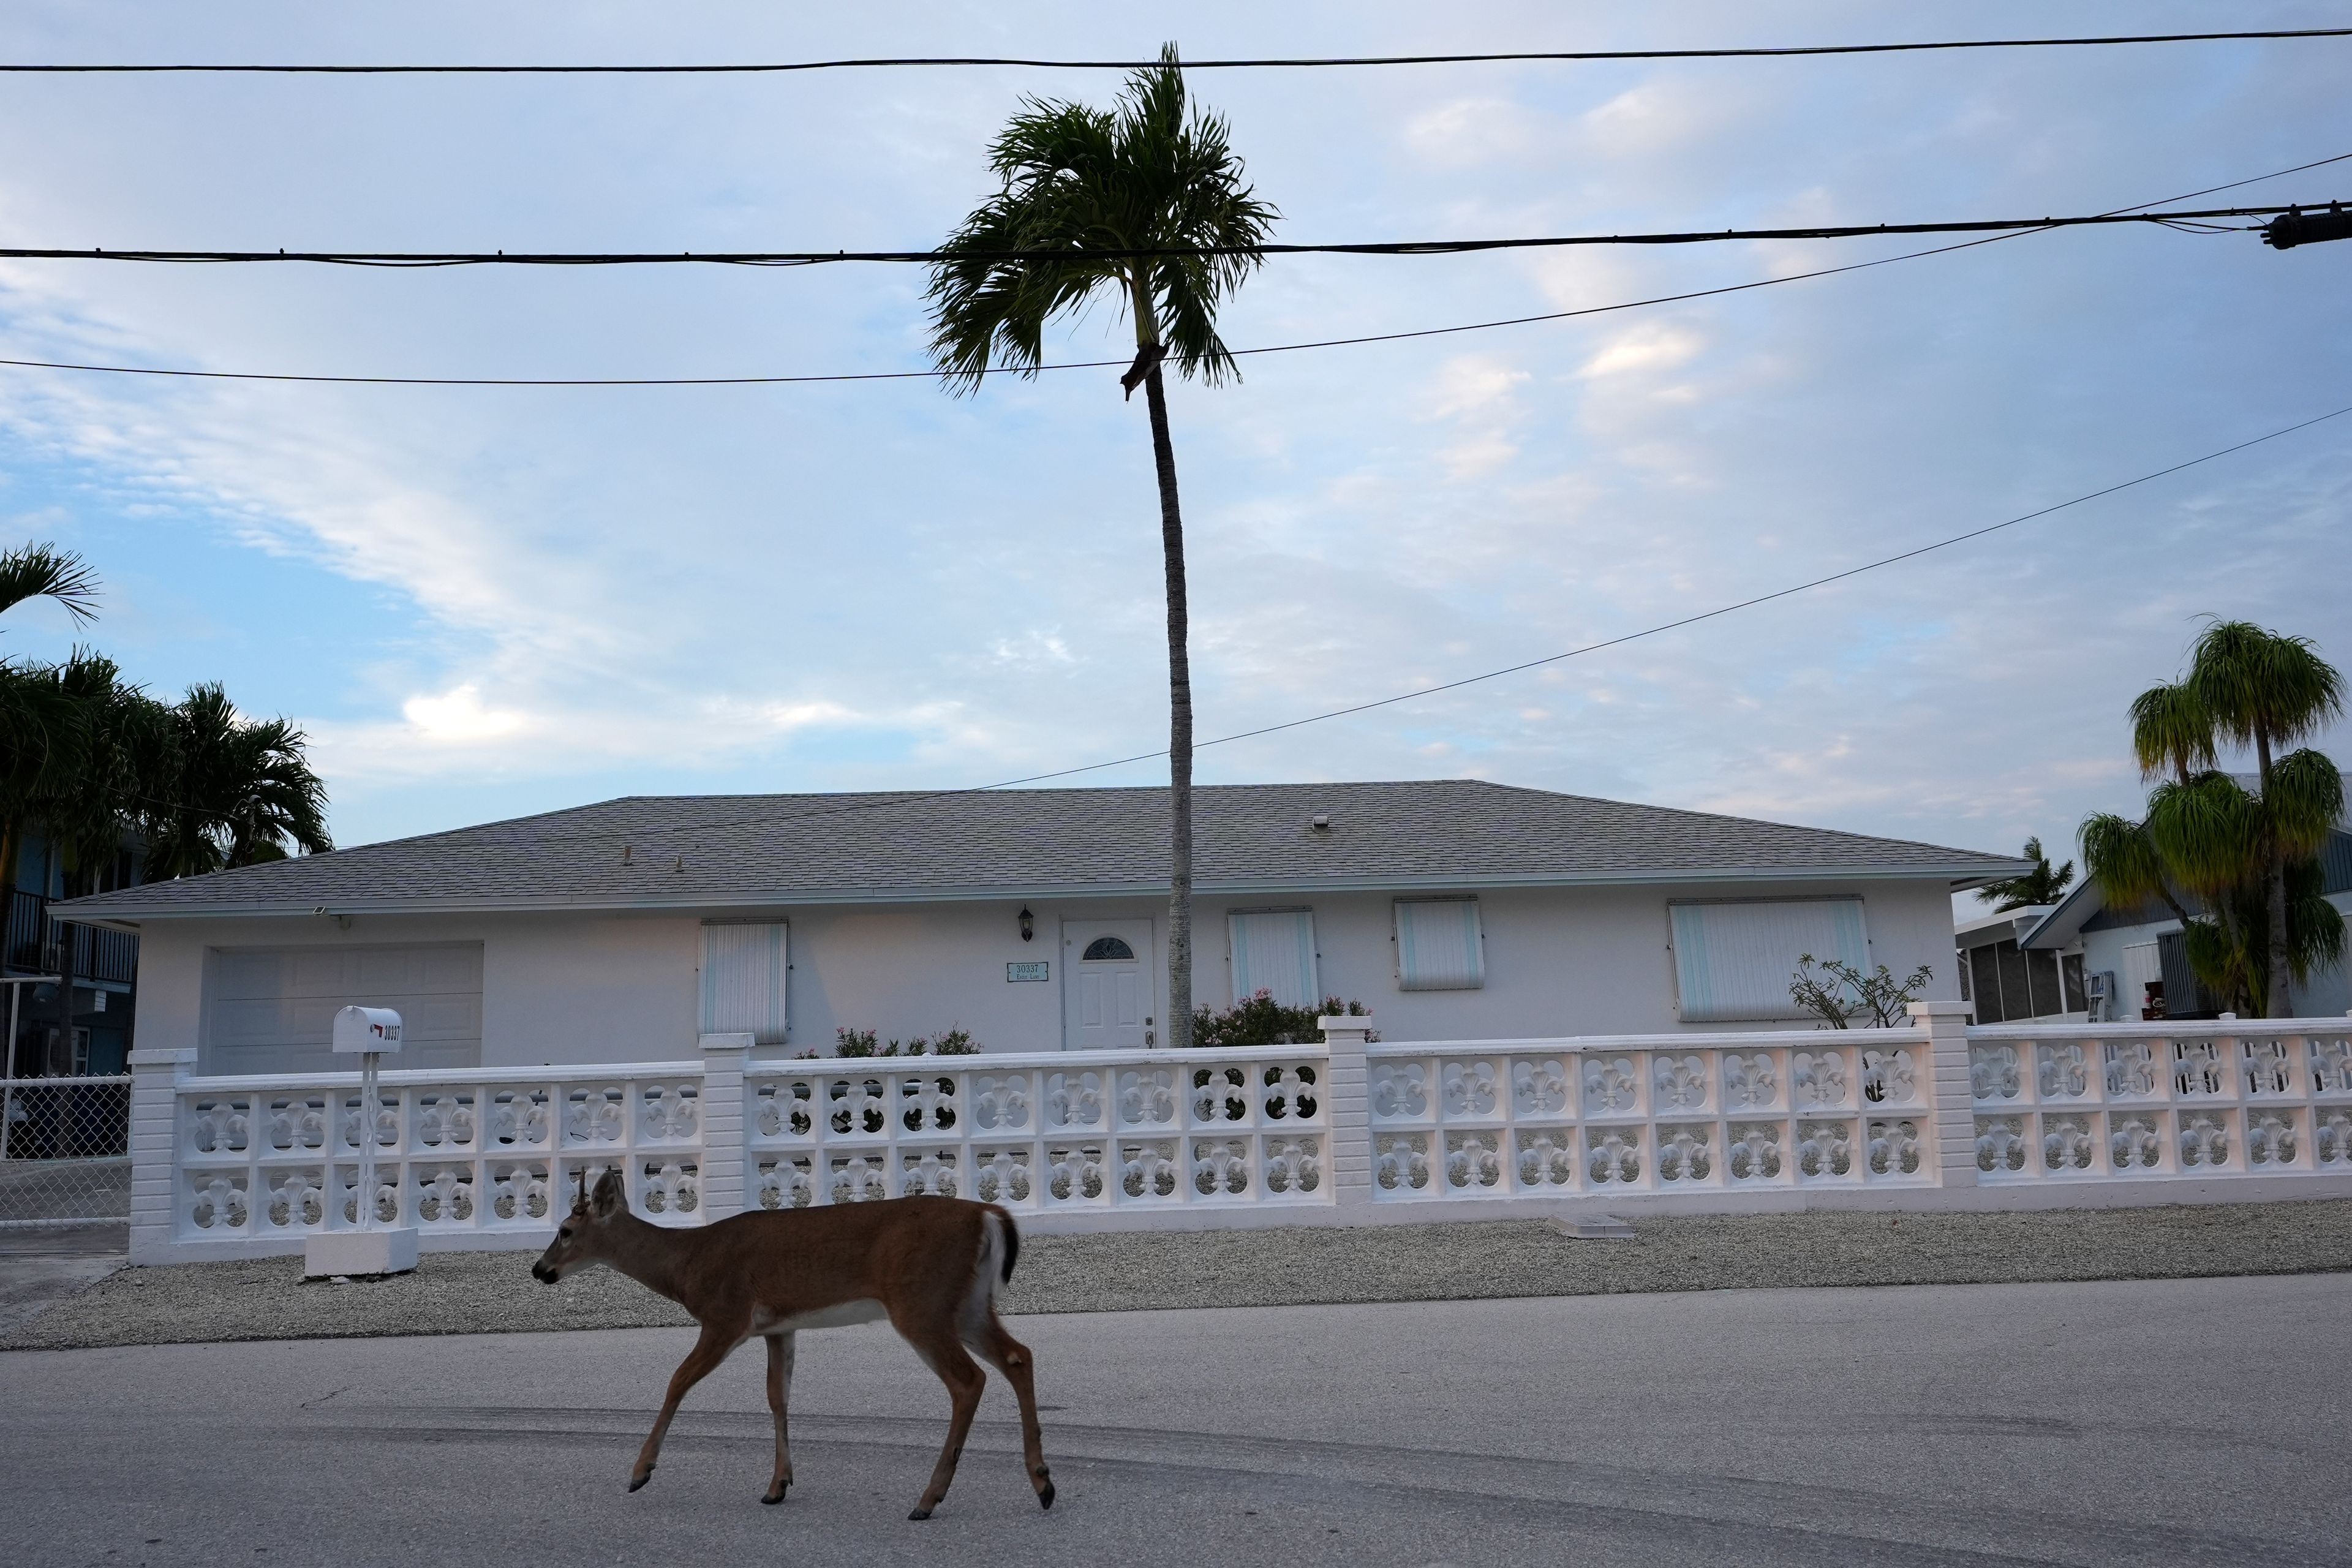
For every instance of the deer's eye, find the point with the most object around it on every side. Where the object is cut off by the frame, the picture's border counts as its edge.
(564, 1235)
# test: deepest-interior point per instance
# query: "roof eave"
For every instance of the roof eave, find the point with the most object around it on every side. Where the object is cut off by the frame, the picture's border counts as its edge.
(96, 909)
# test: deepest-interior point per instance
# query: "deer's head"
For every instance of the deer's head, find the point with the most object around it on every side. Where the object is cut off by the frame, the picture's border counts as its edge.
(586, 1232)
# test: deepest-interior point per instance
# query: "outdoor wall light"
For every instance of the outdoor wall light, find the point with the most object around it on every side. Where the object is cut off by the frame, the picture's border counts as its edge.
(1028, 924)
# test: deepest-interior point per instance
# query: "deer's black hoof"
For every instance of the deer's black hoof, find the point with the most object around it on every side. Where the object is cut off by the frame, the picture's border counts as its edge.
(775, 1497)
(920, 1513)
(1046, 1495)
(636, 1482)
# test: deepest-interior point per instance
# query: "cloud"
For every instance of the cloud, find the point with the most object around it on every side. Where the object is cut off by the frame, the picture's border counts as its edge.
(485, 601)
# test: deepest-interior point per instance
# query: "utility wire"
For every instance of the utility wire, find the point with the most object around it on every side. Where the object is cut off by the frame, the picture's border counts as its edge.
(418, 258)
(1108, 365)
(1767, 52)
(1661, 627)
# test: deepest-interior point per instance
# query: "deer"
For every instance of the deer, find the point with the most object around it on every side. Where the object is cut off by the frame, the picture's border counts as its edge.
(932, 1266)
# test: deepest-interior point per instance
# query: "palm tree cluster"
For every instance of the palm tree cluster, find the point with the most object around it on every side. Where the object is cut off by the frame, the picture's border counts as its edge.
(95, 762)
(1082, 191)
(2238, 867)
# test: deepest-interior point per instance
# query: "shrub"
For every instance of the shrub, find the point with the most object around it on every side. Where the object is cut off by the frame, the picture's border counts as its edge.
(1263, 1021)
(1843, 992)
(957, 1042)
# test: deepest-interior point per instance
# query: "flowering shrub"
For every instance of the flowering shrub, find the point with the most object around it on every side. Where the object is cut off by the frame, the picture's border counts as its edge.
(863, 1043)
(1263, 1021)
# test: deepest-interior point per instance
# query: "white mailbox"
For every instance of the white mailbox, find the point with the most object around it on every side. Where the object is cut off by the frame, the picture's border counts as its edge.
(367, 1029)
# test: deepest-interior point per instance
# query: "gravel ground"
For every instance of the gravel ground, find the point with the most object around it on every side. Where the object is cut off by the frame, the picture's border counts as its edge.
(468, 1293)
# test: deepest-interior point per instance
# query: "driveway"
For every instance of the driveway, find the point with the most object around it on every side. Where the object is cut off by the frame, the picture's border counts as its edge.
(2149, 1422)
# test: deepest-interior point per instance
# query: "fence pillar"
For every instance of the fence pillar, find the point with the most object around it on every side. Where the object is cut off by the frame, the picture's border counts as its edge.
(1951, 1098)
(725, 1148)
(1347, 1110)
(156, 1079)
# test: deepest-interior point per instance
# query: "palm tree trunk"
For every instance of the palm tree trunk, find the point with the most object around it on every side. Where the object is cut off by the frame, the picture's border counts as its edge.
(1179, 1031)
(2278, 1004)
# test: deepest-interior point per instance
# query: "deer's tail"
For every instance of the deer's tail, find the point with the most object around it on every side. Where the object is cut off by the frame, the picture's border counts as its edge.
(1010, 1235)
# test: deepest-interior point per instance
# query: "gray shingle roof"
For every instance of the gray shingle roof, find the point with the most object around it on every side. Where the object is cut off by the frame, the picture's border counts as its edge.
(683, 851)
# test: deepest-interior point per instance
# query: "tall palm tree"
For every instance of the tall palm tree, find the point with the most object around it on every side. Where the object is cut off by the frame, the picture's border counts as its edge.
(44, 730)
(2267, 691)
(1082, 191)
(242, 792)
(2247, 860)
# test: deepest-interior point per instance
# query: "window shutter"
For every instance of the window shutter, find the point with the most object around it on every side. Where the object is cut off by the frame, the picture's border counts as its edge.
(1274, 950)
(1438, 946)
(743, 972)
(1733, 961)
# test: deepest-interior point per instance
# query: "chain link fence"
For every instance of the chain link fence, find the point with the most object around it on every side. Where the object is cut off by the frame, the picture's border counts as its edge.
(65, 1150)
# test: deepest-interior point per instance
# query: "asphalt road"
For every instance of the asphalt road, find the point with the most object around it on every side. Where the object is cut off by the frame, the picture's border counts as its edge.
(2145, 1422)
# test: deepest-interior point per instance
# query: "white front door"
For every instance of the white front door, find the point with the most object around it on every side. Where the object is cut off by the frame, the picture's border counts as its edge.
(1107, 989)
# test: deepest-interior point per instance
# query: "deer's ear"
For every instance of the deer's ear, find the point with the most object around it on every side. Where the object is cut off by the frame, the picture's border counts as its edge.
(610, 1196)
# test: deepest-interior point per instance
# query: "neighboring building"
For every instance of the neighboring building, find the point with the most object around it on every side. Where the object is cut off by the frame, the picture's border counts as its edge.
(2134, 963)
(47, 1040)
(2007, 984)
(1037, 920)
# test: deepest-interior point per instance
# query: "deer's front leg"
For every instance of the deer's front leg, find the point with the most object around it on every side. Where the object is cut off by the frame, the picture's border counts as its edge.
(700, 1362)
(779, 1394)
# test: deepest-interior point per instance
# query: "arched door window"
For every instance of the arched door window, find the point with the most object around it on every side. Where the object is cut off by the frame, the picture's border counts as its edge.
(1108, 948)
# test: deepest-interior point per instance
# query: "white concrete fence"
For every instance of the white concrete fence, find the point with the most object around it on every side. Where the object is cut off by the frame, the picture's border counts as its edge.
(1346, 1131)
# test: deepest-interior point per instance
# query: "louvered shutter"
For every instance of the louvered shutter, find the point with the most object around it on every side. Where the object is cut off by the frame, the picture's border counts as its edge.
(1274, 950)
(743, 973)
(1438, 945)
(1733, 961)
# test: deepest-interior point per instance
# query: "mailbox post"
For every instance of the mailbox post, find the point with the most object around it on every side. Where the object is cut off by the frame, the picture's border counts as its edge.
(367, 1033)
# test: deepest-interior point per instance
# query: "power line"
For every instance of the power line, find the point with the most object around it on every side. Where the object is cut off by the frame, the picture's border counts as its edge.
(2205, 218)
(1107, 365)
(1525, 665)
(1509, 56)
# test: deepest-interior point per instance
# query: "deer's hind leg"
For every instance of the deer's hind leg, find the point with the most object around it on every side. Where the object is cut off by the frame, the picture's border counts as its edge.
(779, 1394)
(700, 1362)
(1011, 1357)
(935, 1341)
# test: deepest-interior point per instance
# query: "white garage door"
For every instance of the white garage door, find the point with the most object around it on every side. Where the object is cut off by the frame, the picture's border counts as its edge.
(273, 1009)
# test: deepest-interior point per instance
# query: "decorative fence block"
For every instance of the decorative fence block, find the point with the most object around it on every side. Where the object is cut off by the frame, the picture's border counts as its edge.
(454, 1151)
(495, 1155)
(1046, 1132)
(1649, 1114)
(2238, 1097)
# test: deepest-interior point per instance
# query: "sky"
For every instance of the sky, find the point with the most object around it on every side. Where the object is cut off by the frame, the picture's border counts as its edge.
(480, 602)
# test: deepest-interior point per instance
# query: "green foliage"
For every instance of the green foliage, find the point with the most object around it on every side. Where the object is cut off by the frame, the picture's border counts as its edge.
(97, 762)
(1155, 173)
(2040, 886)
(1839, 992)
(2237, 867)
(45, 572)
(1260, 1020)
(957, 1042)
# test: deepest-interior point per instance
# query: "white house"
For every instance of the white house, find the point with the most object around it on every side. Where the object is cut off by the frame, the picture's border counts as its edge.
(1034, 919)
(2121, 953)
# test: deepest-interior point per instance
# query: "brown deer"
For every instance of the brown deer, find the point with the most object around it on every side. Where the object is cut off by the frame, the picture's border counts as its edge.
(932, 1266)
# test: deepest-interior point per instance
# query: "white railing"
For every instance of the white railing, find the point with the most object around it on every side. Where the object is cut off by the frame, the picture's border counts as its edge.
(1044, 1134)
(2156, 1102)
(1656, 1113)
(470, 1152)
(1337, 1132)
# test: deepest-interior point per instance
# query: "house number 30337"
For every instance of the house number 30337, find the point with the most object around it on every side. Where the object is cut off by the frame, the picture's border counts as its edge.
(1015, 972)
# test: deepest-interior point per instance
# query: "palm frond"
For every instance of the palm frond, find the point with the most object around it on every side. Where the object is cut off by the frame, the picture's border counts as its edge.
(2259, 685)
(45, 572)
(1083, 184)
(2209, 832)
(2171, 731)
(2305, 801)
